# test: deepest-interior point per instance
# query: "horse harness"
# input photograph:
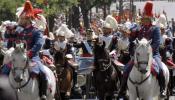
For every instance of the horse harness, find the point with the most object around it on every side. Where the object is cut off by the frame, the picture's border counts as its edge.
(13, 69)
(138, 83)
(107, 67)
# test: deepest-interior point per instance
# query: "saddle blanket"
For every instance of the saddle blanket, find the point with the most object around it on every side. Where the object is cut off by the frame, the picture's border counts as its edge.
(154, 68)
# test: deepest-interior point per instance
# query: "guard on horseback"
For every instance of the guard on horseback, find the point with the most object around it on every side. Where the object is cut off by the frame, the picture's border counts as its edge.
(33, 37)
(86, 45)
(150, 32)
(110, 40)
(62, 46)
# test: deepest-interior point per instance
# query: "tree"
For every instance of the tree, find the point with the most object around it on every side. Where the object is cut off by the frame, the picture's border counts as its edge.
(54, 7)
(8, 9)
(86, 5)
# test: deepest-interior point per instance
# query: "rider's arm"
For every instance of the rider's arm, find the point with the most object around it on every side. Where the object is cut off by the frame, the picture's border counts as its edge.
(77, 45)
(156, 38)
(38, 42)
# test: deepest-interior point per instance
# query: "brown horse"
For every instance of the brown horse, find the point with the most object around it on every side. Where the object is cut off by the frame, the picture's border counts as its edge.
(105, 74)
(64, 74)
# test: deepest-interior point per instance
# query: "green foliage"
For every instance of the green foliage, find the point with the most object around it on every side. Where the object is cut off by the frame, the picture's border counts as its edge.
(8, 9)
(57, 6)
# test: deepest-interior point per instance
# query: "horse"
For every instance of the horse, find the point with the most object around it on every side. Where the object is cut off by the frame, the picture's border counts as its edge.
(6, 91)
(23, 81)
(123, 53)
(142, 83)
(64, 74)
(105, 75)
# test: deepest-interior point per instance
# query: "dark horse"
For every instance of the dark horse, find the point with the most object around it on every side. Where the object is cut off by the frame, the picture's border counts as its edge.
(64, 73)
(105, 74)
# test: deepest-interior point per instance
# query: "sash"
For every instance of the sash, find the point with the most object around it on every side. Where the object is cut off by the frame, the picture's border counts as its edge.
(88, 48)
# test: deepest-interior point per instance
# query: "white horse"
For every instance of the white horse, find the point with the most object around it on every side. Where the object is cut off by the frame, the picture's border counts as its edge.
(25, 84)
(141, 83)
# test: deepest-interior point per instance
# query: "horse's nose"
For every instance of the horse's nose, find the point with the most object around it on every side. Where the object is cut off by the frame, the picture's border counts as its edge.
(18, 78)
(143, 71)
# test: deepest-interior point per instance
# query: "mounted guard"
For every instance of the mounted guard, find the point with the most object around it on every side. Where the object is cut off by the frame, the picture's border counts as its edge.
(26, 32)
(150, 32)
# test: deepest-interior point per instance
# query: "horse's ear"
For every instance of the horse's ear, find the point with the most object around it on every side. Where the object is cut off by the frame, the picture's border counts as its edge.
(104, 44)
(25, 46)
(3, 52)
(149, 42)
(136, 42)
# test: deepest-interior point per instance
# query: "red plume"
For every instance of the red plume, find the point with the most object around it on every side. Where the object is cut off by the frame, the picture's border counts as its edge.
(148, 9)
(28, 9)
(37, 11)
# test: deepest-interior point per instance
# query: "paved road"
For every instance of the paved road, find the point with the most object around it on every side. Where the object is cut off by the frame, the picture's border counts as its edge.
(171, 98)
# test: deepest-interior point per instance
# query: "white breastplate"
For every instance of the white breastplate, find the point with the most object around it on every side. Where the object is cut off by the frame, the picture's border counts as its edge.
(107, 40)
(123, 43)
(60, 45)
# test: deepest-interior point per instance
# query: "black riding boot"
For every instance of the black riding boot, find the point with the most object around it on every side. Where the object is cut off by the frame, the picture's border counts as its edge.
(123, 88)
(75, 80)
(161, 80)
(173, 85)
(43, 86)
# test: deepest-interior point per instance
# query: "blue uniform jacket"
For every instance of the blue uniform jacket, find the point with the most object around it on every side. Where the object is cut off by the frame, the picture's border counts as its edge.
(150, 33)
(34, 39)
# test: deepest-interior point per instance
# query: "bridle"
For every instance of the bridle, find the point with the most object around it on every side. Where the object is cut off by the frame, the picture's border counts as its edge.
(105, 66)
(23, 70)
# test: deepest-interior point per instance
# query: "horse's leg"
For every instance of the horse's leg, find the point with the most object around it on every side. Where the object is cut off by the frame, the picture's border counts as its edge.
(109, 97)
(69, 77)
(101, 96)
(132, 97)
(148, 98)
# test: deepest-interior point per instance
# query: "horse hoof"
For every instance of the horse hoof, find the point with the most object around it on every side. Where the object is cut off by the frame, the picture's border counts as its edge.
(43, 97)
(67, 97)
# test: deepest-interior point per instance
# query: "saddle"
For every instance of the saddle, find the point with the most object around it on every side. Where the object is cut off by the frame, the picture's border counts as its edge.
(170, 63)
(72, 63)
(47, 61)
(155, 69)
(118, 64)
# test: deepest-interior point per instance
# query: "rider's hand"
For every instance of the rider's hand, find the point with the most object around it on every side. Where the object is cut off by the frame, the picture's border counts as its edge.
(30, 54)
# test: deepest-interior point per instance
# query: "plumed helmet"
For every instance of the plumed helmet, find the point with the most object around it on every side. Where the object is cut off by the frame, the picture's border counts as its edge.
(63, 30)
(28, 11)
(162, 22)
(110, 22)
(40, 22)
(148, 9)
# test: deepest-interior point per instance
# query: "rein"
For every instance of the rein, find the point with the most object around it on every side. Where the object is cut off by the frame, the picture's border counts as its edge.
(20, 87)
(139, 83)
(106, 67)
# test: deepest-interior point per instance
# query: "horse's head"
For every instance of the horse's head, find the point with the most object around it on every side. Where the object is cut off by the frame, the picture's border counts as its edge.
(101, 56)
(143, 56)
(19, 62)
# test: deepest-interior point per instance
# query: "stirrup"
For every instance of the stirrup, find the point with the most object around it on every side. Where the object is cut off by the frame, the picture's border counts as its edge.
(163, 94)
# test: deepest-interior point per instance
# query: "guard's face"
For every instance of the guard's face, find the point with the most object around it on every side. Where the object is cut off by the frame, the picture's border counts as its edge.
(61, 38)
(89, 35)
(23, 21)
(162, 30)
(106, 30)
(146, 21)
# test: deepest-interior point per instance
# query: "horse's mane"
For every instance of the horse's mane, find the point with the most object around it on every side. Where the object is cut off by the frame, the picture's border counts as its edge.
(100, 52)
